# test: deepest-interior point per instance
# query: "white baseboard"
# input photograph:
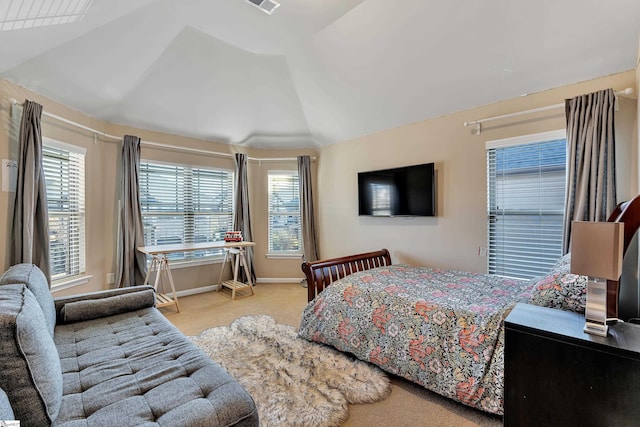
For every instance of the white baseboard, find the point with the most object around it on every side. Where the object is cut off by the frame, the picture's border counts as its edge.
(279, 280)
(195, 291)
(203, 289)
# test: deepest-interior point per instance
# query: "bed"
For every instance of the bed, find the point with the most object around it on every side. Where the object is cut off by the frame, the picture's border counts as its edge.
(442, 329)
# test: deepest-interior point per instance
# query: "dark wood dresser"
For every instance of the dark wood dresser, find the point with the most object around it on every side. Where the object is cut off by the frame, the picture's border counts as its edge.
(556, 375)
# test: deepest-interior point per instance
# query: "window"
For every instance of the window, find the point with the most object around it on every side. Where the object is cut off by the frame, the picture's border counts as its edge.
(185, 204)
(21, 14)
(284, 213)
(526, 189)
(64, 180)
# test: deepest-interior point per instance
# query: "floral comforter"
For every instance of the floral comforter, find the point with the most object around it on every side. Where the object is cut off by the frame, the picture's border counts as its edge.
(442, 329)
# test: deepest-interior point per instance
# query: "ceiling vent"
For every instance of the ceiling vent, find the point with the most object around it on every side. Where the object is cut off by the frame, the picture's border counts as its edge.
(267, 6)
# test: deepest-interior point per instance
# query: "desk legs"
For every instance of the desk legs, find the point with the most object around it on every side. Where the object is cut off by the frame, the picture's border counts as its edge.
(234, 284)
(243, 259)
(160, 264)
(224, 263)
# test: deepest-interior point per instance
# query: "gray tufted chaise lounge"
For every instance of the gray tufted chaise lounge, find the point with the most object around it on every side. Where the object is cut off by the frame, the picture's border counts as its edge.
(105, 359)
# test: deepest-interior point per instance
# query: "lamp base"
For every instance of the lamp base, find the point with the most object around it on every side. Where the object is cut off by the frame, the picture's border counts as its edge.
(596, 329)
(596, 309)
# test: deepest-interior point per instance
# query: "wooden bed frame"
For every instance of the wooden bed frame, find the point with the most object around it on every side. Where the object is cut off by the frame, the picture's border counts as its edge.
(629, 213)
(321, 274)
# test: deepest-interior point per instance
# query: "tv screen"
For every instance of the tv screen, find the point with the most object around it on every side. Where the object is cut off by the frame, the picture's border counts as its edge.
(406, 191)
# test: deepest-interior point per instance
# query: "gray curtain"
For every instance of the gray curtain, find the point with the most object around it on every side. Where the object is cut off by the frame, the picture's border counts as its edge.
(591, 175)
(307, 217)
(241, 217)
(30, 228)
(131, 264)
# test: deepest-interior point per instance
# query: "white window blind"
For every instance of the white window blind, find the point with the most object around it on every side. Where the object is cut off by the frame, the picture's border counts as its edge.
(284, 213)
(184, 204)
(22, 14)
(64, 179)
(526, 189)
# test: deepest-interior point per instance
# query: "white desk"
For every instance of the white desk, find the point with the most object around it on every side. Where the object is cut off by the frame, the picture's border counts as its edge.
(160, 263)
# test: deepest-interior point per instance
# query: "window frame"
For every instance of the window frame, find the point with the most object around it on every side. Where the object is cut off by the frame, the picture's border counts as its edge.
(191, 258)
(78, 277)
(275, 254)
(492, 214)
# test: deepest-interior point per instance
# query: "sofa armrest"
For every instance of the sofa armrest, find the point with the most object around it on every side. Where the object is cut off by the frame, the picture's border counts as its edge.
(94, 305)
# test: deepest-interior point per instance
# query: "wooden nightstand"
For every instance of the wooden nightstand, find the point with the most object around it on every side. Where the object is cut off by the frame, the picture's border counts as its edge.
(556, 375)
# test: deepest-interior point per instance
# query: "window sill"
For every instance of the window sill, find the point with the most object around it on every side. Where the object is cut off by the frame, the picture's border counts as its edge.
(283, 256)
(69, 283)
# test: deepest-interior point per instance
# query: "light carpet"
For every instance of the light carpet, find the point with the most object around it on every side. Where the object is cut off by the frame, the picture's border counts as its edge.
(294, 382)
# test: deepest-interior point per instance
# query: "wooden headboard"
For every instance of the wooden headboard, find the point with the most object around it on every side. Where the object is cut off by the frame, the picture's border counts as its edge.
(321, 274)
(629, 213)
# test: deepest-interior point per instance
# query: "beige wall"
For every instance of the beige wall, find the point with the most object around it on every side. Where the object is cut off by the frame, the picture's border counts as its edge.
(453, 237)
(100, 183)
(270, 268)
(102, 175)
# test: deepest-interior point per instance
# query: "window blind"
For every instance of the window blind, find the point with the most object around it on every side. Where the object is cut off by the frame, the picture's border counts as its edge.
(185, 204)
(64, 182)
(526, 190)
(284, 213)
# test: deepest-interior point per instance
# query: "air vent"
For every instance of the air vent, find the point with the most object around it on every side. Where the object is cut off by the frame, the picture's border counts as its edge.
(267, 6)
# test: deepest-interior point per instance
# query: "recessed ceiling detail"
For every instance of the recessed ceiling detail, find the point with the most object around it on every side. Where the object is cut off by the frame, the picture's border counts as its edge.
(316, 72)
(24, 14)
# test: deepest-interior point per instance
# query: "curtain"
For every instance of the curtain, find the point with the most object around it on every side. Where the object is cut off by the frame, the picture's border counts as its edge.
(591, 170)
(131, 264)
(307, 217)
(241, 217)
(30, 228)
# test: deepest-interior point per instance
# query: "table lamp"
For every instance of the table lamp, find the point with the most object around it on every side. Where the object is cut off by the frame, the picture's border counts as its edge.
(596, 252)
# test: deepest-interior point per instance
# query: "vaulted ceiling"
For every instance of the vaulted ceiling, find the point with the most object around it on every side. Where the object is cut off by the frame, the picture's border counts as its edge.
(316, 71)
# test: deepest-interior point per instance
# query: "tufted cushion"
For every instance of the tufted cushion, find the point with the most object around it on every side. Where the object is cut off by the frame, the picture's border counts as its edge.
(560, 289)
(137, 368)
(34, 278)
(30, 367)
(79, 311)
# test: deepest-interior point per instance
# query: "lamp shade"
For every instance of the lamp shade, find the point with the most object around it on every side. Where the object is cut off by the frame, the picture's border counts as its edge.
(596, 249)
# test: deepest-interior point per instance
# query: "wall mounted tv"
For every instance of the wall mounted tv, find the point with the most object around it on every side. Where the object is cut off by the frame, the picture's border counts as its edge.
(405, 191)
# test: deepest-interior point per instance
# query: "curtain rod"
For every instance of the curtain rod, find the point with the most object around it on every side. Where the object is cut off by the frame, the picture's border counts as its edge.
(627, 91)
(72, 123)
(216, 153)
(157, 144)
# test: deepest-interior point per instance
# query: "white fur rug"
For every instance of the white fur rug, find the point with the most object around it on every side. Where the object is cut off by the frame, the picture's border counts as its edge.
(294, 382)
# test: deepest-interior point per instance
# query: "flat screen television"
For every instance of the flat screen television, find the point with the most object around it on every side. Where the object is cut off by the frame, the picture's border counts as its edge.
(405, 191)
